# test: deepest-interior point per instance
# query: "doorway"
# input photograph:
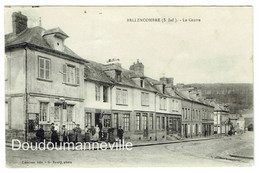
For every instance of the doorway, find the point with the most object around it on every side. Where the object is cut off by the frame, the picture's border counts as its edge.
(145, 127)
(185, 131)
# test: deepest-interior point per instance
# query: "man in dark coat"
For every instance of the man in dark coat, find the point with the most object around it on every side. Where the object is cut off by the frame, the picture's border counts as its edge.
(40, 134)
(120, 134)
(77, 133)
(54, 136)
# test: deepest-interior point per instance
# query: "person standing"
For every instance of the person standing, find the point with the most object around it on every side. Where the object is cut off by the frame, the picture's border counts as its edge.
(54, 136)
(40, 134)
(96, 135)
(120, 134)
(77, 133)
(64, 134)
(87, 134)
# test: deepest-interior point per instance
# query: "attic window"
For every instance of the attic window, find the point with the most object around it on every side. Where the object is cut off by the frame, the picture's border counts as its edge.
(142, 83)
(118, 76)
(163, 89)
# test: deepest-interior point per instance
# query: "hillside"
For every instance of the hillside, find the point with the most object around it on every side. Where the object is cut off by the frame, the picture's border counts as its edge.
(239, 97)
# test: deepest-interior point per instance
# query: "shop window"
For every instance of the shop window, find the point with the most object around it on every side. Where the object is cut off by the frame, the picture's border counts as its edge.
(115, 125)
(151, 122)
(158, 123)
(137, 120)
(107, 120)
(43, 112)
(163, 123)
(126, 122)
(70, 113)
(144, 121)
(88, 119)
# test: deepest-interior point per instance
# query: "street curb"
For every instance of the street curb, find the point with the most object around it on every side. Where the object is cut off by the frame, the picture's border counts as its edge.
(146, 144)
(172, 142)
(242, 157)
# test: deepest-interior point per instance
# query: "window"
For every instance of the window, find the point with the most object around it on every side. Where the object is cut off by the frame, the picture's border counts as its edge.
(126, 118)
(88, 119)
(115, 125)
(105, 94)
(97, 90)
(158, 123)
(107, 120)
(145, 99)
(142, 83)
(162, 103)
(163, 123)
(118, 76)
(70, 113)
(43, 112)
(57, 111)
(144, 121)
(137, 121)
(175, 105)
(44, 68)
(163, 89)
(70, 74)
(121, 96)
(151, 122)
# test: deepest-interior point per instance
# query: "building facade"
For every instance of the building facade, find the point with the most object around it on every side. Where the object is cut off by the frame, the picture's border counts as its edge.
(48, 84)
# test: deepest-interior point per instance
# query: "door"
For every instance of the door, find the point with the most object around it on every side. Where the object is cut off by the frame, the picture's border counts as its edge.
(58, 119)
(196, 130)
(185, 130)
(145, 127)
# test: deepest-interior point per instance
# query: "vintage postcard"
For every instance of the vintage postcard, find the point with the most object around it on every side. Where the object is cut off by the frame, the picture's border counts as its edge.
(142, 86)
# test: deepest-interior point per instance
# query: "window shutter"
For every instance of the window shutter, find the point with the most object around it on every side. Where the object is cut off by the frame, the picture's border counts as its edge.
(64, 71)
(77, 75)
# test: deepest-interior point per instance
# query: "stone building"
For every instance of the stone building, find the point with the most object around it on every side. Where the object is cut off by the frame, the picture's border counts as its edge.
(42, 74)
(197, 114)
(47, 83)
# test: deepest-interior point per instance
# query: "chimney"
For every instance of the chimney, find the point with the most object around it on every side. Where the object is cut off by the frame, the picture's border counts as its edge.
(163, 80)
(137, 67)
(19, 22)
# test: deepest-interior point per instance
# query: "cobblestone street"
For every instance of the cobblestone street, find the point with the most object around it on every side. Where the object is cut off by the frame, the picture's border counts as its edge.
(215, 152)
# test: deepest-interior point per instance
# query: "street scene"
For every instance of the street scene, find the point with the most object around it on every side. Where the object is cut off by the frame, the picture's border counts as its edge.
(214, 152)
(173, 99)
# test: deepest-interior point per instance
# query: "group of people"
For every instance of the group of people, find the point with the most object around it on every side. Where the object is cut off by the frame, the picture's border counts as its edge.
(92, 134)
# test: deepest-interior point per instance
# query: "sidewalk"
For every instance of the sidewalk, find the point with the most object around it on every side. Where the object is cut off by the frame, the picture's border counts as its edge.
(134, 143)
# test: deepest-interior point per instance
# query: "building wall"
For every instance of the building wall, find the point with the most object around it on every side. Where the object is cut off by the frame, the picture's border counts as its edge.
(55, 86)
(90, 96)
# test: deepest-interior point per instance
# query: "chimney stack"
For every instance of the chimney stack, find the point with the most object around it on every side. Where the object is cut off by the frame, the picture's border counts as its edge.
(137, 67)
(19, 22)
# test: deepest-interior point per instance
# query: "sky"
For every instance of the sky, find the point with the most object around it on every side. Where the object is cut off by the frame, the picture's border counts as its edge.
(218, 49)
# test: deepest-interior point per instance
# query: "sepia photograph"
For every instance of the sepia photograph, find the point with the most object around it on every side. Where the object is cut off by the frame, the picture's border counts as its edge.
(128, 86)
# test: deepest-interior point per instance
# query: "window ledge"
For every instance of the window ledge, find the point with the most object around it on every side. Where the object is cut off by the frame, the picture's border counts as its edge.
(121, 104)
(145, 105)
(46, 80)
(70, 84)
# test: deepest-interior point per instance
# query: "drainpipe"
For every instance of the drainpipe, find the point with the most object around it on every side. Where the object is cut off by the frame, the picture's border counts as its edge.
(26, 98)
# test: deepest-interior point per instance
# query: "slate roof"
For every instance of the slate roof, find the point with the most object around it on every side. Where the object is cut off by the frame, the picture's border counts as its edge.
(95, 73)
(182, 94)
(33, 36)
(55, 31)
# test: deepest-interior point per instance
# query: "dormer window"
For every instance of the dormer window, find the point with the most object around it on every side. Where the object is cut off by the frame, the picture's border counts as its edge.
(118, 76)
(142, 83)
(163, 89)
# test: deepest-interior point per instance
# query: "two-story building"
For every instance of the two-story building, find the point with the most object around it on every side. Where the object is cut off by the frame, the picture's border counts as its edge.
(44, 80)
(197, 114)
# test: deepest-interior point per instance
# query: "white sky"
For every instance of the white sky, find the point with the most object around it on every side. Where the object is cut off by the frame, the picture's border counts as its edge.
(216, 50)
